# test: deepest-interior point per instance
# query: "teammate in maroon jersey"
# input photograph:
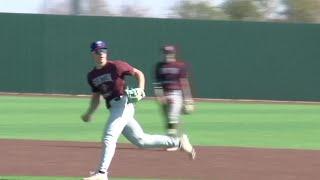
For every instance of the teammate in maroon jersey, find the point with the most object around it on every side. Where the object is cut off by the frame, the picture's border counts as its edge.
(172, 88)
(107, 79)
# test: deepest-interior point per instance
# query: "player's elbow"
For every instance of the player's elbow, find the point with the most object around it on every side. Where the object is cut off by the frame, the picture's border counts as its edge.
(137, 72)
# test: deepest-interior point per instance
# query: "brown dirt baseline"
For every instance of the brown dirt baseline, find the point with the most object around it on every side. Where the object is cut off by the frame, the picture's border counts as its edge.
(63, 158)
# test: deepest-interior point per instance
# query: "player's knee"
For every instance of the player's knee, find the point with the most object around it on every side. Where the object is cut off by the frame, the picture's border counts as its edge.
(140, 143)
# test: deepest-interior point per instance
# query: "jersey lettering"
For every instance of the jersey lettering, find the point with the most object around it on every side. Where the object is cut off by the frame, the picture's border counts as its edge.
(169, 71)
(101, 79)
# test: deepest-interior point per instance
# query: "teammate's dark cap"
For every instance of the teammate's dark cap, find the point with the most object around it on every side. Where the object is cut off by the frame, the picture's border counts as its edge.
(169, 49)
(98, 45)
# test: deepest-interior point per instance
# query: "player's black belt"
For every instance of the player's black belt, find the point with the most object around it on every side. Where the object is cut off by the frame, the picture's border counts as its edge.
(117, 98)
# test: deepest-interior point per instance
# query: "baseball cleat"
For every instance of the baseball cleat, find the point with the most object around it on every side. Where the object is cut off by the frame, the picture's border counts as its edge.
(97, 176)
(186, 146)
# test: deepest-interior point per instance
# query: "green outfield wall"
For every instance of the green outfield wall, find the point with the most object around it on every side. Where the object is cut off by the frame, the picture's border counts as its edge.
(233, 60)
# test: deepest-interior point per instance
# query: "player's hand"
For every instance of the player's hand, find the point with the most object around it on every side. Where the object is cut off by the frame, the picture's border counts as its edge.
(188, 106)
(135, 94)
(86, 117)
(141, 93)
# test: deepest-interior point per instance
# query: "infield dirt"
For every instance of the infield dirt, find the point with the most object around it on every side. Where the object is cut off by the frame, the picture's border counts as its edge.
(62, 158)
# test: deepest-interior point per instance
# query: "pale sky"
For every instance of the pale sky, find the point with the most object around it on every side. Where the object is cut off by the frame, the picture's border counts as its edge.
(20, 6)
(156, 8)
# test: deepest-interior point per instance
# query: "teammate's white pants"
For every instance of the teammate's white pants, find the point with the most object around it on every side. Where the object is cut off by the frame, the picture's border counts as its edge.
(174, 109)
(122, 120)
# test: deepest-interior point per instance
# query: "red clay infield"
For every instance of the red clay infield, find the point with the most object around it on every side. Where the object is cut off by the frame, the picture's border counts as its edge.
(53, 158)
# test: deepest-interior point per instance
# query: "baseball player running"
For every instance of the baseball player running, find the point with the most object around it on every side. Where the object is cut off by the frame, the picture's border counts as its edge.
(172, 89)
(107, 79)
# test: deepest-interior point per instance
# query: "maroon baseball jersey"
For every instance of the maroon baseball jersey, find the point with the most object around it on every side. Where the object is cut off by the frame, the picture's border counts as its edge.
(168, 74)
(109, 80)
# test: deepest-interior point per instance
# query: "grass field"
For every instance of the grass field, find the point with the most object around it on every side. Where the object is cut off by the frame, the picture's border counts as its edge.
(212, 124)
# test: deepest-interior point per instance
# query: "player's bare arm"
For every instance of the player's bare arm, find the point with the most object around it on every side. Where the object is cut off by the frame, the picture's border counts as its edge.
(188, 104)
(94, 103)
(186, 90)
(140, 77)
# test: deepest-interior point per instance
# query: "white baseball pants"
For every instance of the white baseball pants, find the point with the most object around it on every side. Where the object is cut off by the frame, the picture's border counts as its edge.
(122, 120)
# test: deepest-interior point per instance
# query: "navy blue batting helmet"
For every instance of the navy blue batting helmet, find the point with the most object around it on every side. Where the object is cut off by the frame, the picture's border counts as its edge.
(98, 45)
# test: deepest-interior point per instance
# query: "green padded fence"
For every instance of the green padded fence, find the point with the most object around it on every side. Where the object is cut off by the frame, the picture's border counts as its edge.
(237, 60)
